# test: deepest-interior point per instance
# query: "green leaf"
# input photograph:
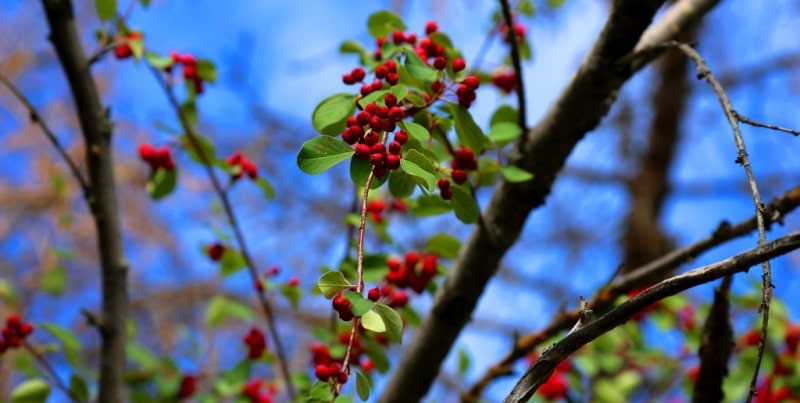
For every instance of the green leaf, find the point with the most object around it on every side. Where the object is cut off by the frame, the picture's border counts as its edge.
(141, 356)
(331, 283)
(206, 147)
(71, 344)
(417, 165)
(372, 321)
(31, 391)
(411, 316)
(504, 132)
(330, 115)
(145, 3)
(207, 71)
(429, 205)
(416, 131)
(231, 262)
(106, 9)
(444, 245)
(321, 153)
(488, 169)
(231, 382)
(162, 183)
(189, 108)
(516, 174)
(400, 91)
(79, 388)
(418, 69)
(360, 305)
(266, 187)
(157, 61)
(54, 280)
(504, 114)
(220, 308)
(526, 7)
(467, 130)
(463, 361)
(401, 184)
(373, 97)
(359, 173)
(393, 322)
(383, 23)
(362, 386)
(354, 47)
(465, 206)
(556, 3)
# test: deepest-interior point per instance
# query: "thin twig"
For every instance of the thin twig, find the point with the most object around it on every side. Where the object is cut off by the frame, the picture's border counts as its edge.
(752, 122)
(360, 274)
(541, 370)
(36, 117)
(523, 345)
(730, 113)
(50, 371)
(237, 231)
(513, 43)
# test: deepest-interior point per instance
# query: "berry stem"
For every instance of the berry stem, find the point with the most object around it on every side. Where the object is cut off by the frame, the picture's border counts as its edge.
(269, 315)
(49, 370)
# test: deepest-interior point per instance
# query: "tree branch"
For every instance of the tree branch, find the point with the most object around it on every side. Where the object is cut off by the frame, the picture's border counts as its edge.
(541, 370)
(102, 198)
(516, 61)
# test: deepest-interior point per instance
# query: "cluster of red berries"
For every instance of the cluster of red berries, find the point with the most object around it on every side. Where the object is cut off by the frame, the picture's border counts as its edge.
(465, 92)
(519, 31)
(254, 391)
(391, 296)
(187, 388)
(157, 157)
(774, 386)
(343, 307)
(14, 332)
(463, 161)
(364, 130)
(414, 272)
(327, 368)
(376, 208)
(256, 343)
(242, 165)
(385, 72)
(124, 50)
(190, 72)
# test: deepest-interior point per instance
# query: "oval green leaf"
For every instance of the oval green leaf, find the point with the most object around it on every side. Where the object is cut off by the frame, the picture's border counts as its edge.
(393, 322)
(444, 245)
(465, 207)
(418, 69)
(321, 153)
(360, 305)
(31, 391)
(162, 183)
(416, 131)
(418, 166)
(467, 130)
(331, 283)
(515, 174)
(383, 23)
(401, 184)
(220, 308)
(330, 115)
(362, 386)
(373, 321)
(106, 9)
(504, 132)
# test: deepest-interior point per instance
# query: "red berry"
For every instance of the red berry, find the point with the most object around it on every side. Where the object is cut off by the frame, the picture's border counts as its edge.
(379, 171)
(411, 38)
(401, 137)
(256, 343)
(437, 86)
(412, 258)
(348, 79)
(371, 109)
(363, 118)
(394, 264)
(431, 27)
(459, 65)
(443, 184)
(123, 51)
(392, 79)
(390, 100)
(471, 82)
(341, 377)
(376, 159)
(554, 388)
(188, 387)
(294, 281)
(322, 373)
(362, 151)
(371, 138)
(374, 294)
(215, 251)
(376, 206)
(439, 63)
(792, 338)
(395, 147)
(358, 74)
(367, 365)
(458, 176)
(464, 91)
(392, 161)
(447, 194)
(398, 37)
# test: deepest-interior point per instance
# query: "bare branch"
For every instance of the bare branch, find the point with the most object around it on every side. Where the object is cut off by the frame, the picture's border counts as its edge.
(541, 370)
(752, 122)
(716, 345)
(102, 198)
